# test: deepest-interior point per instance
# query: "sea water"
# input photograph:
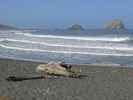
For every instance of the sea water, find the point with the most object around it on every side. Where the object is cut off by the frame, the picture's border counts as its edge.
(76, 47)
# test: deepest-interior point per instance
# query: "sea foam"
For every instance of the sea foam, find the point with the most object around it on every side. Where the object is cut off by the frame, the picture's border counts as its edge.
(109, 39)
(124, 48)
(65, 52)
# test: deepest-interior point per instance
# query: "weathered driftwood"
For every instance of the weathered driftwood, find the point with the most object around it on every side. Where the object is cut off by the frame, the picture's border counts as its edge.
(57, 69)
(20, 78)
(48, 70)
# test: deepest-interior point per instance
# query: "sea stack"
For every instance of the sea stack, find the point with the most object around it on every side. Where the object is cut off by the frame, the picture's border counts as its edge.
(115, 25)
(76, 27)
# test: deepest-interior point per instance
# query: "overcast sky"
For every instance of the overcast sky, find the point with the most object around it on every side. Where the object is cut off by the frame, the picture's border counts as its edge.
(63, 13)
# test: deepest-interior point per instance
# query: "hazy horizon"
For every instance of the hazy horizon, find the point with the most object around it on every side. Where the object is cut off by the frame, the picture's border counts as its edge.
(63, 13)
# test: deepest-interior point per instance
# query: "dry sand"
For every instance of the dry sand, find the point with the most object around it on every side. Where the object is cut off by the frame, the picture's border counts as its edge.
(102, 83)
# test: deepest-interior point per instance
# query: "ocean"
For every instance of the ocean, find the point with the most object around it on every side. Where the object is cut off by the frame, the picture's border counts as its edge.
(113, 47)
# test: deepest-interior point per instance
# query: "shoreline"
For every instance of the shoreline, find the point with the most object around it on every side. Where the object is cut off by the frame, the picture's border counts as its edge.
(73, 65)
(84, 65)
(102, 83)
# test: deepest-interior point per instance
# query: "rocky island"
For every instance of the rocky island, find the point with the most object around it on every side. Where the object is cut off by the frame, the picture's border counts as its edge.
(115, 24)
(76, 27)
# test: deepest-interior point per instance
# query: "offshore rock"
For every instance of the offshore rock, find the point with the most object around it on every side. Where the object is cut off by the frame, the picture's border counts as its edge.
(115, 24)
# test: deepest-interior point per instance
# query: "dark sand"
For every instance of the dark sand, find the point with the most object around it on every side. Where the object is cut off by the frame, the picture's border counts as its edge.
(102, 83)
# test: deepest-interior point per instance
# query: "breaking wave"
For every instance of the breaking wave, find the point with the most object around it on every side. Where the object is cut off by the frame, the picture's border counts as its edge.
(81, 48)
(65, 52)
(108, 39)
(67, 45)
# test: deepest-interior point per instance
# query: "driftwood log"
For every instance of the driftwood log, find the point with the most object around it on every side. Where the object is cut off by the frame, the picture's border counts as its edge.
(51, 70)
(57, 69)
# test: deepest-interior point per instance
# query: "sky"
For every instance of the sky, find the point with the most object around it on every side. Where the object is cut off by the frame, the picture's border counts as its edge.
(64, 13)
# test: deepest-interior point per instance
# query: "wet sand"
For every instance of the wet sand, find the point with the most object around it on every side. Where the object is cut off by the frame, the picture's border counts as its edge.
(102, 83)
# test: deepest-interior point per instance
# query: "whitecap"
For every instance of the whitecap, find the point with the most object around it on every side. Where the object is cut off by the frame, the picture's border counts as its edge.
(64, 52)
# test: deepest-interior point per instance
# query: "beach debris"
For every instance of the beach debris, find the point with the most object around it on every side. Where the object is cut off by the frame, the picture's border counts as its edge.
(22, 78)
(52, 70)
(58, 69)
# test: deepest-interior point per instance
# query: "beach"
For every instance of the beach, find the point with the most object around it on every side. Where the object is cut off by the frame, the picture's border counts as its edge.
(101, 83)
